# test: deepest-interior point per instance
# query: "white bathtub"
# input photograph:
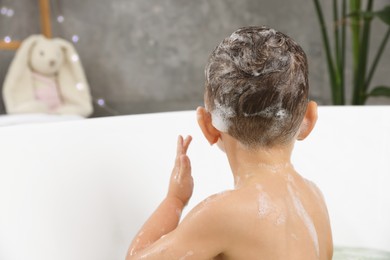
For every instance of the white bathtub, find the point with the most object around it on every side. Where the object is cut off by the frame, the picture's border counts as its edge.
(81, 189)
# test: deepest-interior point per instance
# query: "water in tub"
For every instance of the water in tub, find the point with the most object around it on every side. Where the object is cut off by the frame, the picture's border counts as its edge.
(349, 253)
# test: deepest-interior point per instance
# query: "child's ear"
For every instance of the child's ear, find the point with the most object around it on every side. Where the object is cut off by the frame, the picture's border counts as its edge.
(209, 131)
(309, 121)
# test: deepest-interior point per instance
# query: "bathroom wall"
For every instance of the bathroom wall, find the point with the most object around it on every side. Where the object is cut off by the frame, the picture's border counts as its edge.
(148, 56)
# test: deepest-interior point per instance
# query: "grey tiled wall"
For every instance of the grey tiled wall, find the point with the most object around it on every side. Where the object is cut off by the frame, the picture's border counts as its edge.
(148, 55)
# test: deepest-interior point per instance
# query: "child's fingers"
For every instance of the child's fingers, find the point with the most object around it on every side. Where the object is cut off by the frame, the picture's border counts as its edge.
(181, 184)
(186, 143)
(182, 146)
(179, 148)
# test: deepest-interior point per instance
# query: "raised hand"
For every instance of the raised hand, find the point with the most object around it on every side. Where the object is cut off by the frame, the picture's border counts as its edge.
(181, 183)
(166, 218)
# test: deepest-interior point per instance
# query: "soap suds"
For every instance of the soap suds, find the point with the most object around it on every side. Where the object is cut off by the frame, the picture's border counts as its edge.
(307, 221)
(281, 219)
(189, 253)
(234, 73)
(265, 206)
(176, 177)
(220, 116)
(274, 168)
(238, 180)
(271, 112)
(157, 250)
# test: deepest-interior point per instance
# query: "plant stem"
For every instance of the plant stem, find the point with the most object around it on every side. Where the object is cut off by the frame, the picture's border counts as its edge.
(377, 57)
(362, 69)
(336, 23)
(343, 34)
(354, 6)
(338, 52)
(335, 97)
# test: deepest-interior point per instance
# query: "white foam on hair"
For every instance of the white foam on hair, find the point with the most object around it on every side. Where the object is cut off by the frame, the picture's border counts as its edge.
(264, 32)
(226, 70)
(263, 113)
(235, 36)
(256, 73)
(271, 111)
(298, 78)
(281, 114)
(307, 221)
(207, 72)
(267, 32)
(219, 121)
(227, 63)
(221, 115)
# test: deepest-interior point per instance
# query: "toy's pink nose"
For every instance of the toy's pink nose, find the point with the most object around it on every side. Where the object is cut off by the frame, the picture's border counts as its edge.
(52, 63)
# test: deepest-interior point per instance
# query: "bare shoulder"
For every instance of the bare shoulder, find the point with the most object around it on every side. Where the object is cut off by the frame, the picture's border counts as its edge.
(216, 206)
(214, 214)
(222, 214)
(316, 191)
(313, 187)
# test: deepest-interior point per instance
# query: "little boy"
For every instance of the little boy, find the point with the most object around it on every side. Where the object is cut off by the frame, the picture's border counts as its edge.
(256, 106)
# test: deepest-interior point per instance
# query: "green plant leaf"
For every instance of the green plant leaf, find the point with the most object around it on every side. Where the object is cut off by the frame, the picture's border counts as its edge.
(362, 14)
(380, 91)
(384, 14)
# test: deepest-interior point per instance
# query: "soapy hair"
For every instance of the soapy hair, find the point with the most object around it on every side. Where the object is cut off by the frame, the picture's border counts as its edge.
(257, 86)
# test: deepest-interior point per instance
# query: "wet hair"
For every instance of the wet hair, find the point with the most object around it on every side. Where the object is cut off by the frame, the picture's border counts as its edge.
(257, 86)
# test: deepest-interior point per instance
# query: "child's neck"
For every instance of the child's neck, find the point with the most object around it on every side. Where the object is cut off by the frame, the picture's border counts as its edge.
(247, 164)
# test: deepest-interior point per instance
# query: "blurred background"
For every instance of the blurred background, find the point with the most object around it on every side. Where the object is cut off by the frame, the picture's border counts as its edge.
(143, 56)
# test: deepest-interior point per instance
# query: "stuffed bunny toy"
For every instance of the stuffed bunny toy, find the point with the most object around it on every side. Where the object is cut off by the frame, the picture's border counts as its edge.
(46, 76)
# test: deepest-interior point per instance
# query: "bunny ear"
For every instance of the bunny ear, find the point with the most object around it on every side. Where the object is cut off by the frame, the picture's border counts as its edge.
(17, 88)
(72, 82)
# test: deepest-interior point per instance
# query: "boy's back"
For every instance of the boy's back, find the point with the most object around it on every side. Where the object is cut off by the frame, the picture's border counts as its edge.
(278, 216)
